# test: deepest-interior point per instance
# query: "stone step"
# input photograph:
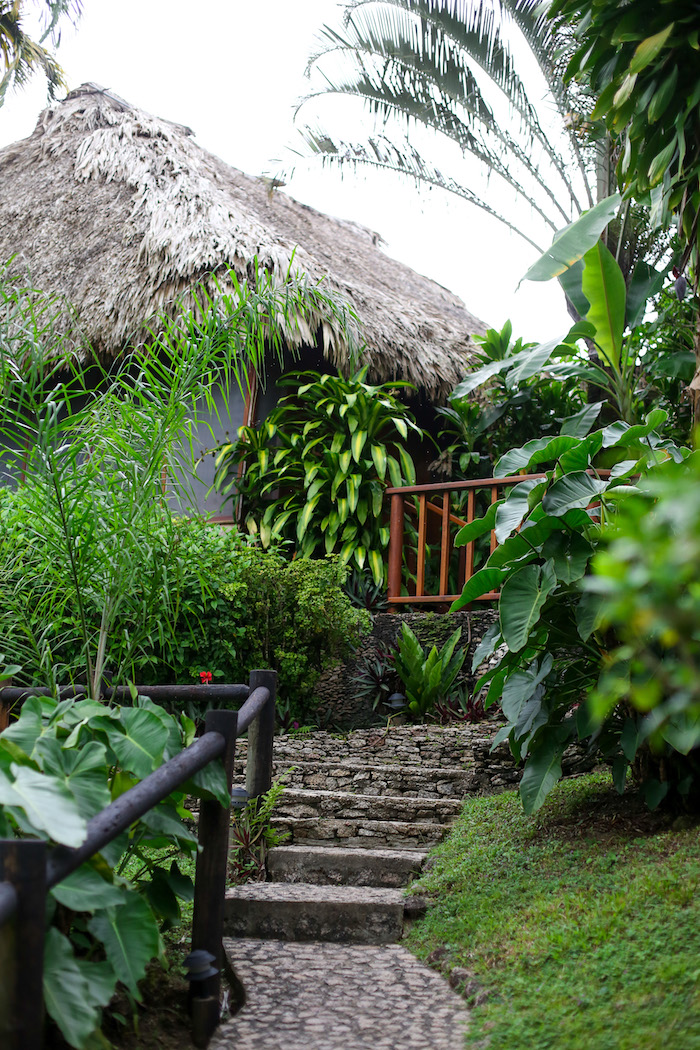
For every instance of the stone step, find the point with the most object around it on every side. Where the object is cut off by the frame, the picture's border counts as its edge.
(342, 805)
(335, 865)
(374, 779)
(305, 912)
(446, 747)
(367, 834)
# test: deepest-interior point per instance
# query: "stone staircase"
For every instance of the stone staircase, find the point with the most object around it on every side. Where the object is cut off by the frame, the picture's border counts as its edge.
(361, 812)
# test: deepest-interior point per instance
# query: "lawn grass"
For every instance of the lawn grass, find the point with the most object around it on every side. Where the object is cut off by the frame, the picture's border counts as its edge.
(580, 926)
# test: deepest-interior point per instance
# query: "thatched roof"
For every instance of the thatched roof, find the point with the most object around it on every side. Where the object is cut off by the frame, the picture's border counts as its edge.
(123, 213)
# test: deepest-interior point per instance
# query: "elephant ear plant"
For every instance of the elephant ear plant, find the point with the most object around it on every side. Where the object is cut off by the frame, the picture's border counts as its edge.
(315, 471)
(548, 531)
(60, 765)
(609, 311)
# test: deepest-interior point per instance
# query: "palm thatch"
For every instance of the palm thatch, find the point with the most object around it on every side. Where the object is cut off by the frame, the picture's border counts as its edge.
(123, 214)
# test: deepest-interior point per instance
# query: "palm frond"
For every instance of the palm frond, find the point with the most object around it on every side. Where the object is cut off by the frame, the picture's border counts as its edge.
(383, 154)
(426, 62)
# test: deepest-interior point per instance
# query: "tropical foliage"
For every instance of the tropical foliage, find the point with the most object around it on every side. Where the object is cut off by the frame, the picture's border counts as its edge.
(98, 574)
(616, 361)
(315, 471)
(548, 531)
(517, 403)
(640, 60)
(60, 765)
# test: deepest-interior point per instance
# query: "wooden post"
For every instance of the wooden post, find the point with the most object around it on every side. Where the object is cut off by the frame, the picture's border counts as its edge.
(445, 544)
(395, 546)
(210, 885)
(422, 535)
(23, 864)
(261, 734)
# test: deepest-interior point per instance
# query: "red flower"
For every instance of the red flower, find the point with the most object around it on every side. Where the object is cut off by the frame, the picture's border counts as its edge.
(205, 677)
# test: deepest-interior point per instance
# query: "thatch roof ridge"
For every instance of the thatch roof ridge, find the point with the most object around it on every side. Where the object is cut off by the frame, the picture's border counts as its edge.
(123, 213)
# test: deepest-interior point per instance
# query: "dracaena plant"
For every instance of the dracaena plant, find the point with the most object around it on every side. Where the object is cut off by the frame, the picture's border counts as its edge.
(315, 471)
(548, 530)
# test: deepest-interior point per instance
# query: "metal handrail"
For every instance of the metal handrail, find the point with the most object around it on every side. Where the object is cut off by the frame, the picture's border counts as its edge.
(30, 869)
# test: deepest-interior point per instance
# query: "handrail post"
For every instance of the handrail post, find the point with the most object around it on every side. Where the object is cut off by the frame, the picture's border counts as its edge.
(395, 546)
(210, 885)
(261, 733)
(23, 864)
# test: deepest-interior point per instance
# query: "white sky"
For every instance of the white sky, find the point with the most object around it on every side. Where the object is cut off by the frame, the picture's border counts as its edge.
(233, 70)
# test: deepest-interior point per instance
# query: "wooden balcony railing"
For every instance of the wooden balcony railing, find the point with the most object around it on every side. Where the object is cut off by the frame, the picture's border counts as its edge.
(423, 521)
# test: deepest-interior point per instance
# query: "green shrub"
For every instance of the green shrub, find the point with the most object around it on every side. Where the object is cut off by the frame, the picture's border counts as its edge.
(228, 607)
(646, 579)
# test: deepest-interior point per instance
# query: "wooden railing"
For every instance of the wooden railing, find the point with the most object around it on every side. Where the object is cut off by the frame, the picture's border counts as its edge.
(29, 867)
(426, 564)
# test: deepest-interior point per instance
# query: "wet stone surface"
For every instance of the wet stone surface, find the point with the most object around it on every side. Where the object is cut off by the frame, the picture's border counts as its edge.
(339, 997)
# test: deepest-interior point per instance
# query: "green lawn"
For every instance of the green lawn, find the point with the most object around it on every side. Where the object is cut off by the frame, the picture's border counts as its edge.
(581, 923)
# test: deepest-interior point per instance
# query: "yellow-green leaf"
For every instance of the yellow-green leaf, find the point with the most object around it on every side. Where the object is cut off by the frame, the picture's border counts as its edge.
(648, 50)
(357, 444)
(376, 564)
(379, 459)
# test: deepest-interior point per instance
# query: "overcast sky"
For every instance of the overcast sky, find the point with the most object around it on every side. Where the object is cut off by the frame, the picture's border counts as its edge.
(233, 71)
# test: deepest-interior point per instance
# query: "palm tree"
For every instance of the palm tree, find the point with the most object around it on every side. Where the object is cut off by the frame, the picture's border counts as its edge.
(450, 66)
(20, 56)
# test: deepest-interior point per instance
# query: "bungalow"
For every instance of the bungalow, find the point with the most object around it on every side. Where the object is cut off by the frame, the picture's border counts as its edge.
(122, 214)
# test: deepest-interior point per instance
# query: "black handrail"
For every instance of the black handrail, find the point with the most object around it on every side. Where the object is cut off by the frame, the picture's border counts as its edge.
(29, 869)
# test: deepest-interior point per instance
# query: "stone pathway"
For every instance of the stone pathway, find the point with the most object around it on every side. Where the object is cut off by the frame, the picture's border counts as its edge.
(314, 948)
(339, 997)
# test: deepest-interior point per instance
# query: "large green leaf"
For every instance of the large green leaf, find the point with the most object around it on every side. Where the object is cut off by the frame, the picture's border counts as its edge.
(570, 281)
(604, 287)
(130, 937)
(570, 554)
(47, 802)
(577, 490)
(522, 597)
(139, 741)
(530, 455)
(479, 527)
(581, 422)
(86, 890)
(644, 283)
(531, 362)
(482, 582)
(514, 509)
(479, 377)
(574, 241)
(69, 997)
(542, 771)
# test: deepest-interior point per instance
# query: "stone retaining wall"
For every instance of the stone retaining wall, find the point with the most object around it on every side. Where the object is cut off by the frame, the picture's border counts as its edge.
(464, 748)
